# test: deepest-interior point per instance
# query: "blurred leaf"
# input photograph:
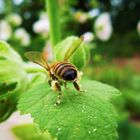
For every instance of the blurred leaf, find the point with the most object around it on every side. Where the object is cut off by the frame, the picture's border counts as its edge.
(135, 82)
(30, 132)
(129, 130)
(134, 131)
(13, 75)
(8, 53)
(132, 98)
(88, 115)
(5, 88)
(36, 78)
(10, 71)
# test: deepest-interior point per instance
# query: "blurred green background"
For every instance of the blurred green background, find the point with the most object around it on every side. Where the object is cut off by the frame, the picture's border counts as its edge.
(111, 29)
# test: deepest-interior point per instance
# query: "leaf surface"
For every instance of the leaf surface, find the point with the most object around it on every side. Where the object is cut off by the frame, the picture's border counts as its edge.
(86, 115)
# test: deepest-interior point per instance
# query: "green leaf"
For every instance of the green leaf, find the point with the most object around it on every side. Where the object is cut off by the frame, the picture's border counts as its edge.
(36, 78)
(5, 88)
(86, 115)
(7, 52)
(30, 132)
(14, 76)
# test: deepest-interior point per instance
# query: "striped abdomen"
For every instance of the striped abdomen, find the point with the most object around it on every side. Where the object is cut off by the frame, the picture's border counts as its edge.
(65, 71)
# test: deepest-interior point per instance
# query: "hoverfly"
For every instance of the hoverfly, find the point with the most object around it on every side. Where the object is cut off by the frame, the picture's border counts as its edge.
(59, 72)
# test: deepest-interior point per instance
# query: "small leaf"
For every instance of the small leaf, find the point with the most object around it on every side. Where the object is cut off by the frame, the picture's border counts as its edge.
(30, 132)
(87, 116)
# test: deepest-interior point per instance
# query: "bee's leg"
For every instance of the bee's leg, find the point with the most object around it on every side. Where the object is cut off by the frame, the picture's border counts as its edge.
(76, 85)
(50, 81)
(65, 84)
(59, 94)
(61, 83)
(58, 99)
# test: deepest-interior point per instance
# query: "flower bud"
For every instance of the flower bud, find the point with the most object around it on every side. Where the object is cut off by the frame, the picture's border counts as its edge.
(80, 55)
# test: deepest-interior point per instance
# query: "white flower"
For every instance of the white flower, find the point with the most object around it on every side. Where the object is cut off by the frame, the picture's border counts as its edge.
(23, 36)
(15, 19)
(138, 27)
(103, 27)
(42, 25)
(88, 36)
(5, 30)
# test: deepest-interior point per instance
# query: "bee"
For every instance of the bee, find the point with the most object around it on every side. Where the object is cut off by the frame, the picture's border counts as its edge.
(60, 72)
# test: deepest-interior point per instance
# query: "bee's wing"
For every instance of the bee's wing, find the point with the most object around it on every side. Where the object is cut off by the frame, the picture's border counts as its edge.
(38, 58)
(71, 50)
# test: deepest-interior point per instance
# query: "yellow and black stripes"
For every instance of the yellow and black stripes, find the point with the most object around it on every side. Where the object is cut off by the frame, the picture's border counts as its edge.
(65, 70)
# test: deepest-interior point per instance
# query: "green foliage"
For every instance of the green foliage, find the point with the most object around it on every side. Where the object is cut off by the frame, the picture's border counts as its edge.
(80, 56)
(30, 132)
(120, 45)
(5, 88)
(13, 80)
(126, 80)
(124, 42)
(81, 115)
(135, 82)
(132, 95)
(85, 115)
(132, 99)
(36, 78)
(6, 52)
(112, 75)
(129, 130)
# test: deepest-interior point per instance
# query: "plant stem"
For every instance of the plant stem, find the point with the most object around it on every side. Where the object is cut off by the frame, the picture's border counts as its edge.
(53, 14)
